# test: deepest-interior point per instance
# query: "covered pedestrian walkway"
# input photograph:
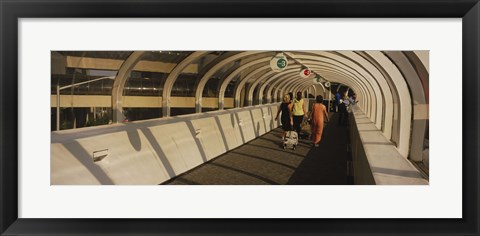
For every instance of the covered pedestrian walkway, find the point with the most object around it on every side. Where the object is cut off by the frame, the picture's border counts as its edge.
(207, 117)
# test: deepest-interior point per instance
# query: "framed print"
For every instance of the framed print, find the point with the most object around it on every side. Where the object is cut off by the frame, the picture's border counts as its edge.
(113, 51)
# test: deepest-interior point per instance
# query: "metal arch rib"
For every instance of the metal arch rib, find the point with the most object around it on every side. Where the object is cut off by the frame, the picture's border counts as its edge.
(336, 72)
(302, 85)
(330, 65)
(417, 93)
(281, 89)
(270, 73)
(256, 83)
(375, 110)
(203, 81)
(345, 79)
(354, 75)
(239, 85)
(290, 70)
(172, 77)
(119, 84)
(345, 74)
(223, 87)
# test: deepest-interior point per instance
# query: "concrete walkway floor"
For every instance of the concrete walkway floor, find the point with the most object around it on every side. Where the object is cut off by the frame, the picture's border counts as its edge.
(264, 161)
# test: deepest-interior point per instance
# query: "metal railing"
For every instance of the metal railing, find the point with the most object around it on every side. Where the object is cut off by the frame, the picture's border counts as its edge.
(73, 85)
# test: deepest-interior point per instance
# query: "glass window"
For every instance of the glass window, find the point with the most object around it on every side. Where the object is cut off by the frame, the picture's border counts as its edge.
(79, 74)
(145, 84)
(212, 86)
(230, 90)
(185, 84)
(147, 80)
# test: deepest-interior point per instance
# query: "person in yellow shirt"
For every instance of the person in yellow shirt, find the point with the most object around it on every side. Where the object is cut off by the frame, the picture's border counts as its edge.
(298, 112)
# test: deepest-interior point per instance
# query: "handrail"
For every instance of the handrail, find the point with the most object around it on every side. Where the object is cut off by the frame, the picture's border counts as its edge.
(73, 85)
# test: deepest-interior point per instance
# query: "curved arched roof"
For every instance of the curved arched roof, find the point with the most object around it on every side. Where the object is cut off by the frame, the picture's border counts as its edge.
(391, 86)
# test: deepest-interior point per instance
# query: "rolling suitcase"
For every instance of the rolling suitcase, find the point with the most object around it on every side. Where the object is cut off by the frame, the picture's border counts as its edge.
(291, 140)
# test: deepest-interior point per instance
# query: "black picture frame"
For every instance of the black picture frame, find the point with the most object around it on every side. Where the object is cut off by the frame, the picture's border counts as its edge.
(11, 11)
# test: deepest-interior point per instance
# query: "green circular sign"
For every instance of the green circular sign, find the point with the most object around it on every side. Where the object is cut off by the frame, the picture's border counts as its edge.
(281, 63)
(278, 63)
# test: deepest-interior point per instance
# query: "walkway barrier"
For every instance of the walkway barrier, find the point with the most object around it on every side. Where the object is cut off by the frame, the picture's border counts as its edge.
(153, 151)
(375, 159)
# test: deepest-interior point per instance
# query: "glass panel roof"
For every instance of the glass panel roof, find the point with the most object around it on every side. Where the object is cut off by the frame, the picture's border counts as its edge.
(166, 56)
(117, 55)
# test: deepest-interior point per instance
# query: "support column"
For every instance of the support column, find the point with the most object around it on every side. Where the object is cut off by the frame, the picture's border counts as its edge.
(58, 107)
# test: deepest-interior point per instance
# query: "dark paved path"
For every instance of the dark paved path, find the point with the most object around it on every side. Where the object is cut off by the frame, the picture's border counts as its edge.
(264, 161)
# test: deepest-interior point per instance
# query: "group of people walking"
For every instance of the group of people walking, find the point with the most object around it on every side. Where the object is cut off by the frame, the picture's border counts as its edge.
(294, 112)
(341, 105)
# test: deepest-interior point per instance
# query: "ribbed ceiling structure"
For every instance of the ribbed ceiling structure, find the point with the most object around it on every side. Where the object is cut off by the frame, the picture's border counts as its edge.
(391, 86)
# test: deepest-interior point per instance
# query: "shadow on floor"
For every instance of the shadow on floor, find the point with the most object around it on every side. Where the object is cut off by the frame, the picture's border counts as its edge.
(263, 161)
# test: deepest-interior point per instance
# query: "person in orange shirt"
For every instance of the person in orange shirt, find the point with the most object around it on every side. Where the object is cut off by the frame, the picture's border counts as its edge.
(319, 112)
